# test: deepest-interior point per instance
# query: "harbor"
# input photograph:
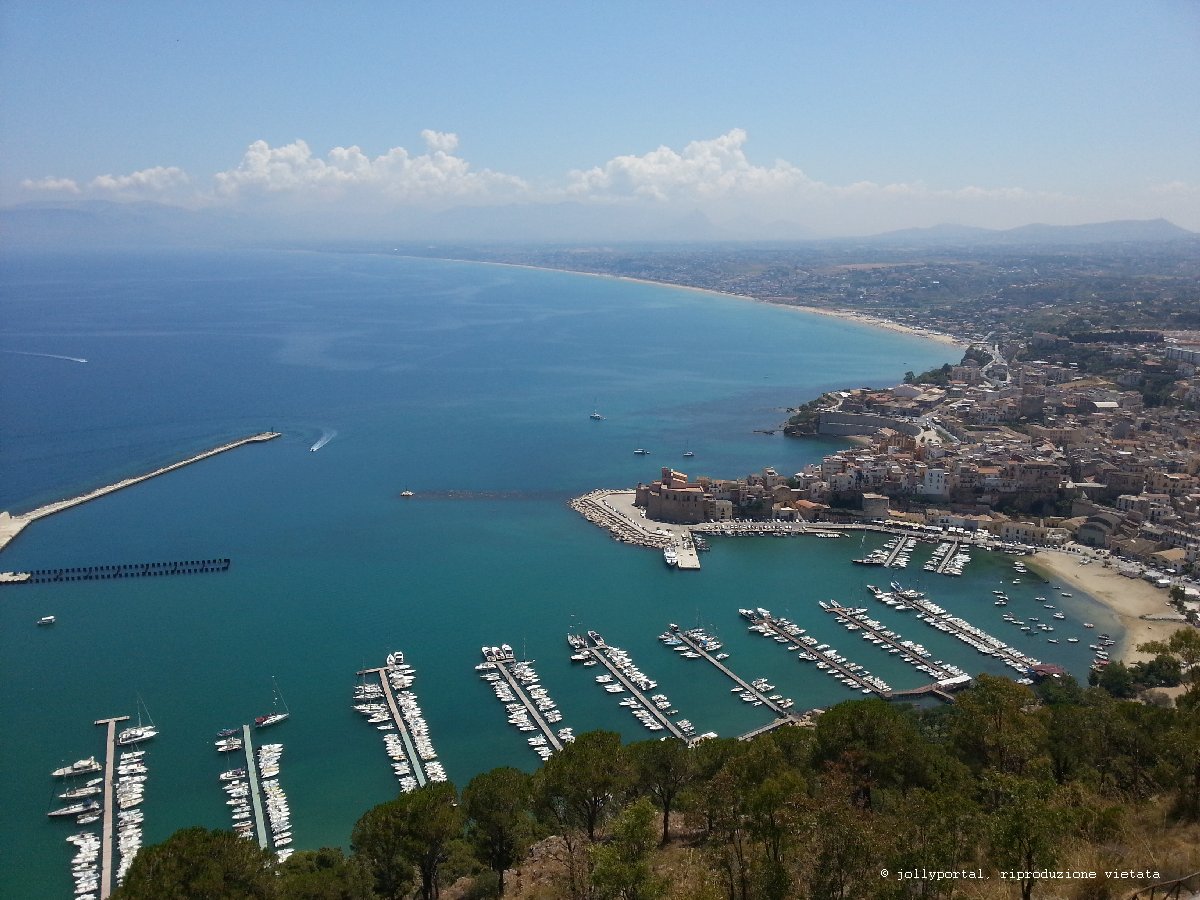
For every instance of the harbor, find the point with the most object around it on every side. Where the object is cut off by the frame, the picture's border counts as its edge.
(650, 711)
(11, 526)
(529, 705)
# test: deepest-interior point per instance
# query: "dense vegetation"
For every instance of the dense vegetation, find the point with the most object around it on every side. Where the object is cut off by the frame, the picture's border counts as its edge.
(1067, 778)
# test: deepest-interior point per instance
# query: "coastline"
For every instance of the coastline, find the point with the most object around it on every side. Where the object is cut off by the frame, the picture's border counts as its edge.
(845, 314)
(1128, 598)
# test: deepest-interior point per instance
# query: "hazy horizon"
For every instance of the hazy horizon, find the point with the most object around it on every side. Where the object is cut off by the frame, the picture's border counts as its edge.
(778, 122)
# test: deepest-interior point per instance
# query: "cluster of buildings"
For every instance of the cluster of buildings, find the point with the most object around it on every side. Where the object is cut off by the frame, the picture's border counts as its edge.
(1029, 452)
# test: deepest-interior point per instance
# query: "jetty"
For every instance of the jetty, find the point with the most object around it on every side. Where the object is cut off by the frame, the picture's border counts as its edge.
(890, 641)
(936, 617)
(11, 526)
(106, 820)
(600, 651)
(260, 825)
(691, 639)
(614, 511)
(783, 631)
(397, 719)
(517, 675)
(122, 570)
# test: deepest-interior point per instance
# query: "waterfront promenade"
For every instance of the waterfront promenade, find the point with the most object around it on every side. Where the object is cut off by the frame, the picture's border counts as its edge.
(11, 526)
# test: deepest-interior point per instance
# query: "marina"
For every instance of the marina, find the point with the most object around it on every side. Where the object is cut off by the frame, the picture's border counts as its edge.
(650, 711)
(529, 705)
(949, 558)
(700, 643)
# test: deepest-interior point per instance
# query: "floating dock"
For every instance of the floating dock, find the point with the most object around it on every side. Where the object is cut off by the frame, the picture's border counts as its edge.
(889, 640)
(598, 650)
(765, 624)
(414, 758)
(690, 640)
(106, 835)
(260, 824)
(936, 617)
(124, 570)
(502, 661)
(11, 526)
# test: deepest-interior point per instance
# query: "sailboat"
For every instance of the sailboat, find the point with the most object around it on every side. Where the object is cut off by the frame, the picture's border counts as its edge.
(139, 732)
(275, 716)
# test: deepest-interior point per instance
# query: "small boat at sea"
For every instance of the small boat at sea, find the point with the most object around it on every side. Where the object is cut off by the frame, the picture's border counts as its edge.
(46, 620)
(275, 716)
(641, 452)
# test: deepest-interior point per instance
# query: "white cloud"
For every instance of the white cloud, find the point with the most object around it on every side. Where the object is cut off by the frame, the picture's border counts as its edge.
(51, 184)
(709, 168)
(436, 175)
(145, 183)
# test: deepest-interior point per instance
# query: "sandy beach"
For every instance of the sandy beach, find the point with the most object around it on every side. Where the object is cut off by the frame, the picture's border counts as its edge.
(1128, 598)
(846, 314)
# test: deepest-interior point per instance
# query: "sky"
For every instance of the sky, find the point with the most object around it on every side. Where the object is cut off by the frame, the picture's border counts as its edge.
(759, 120)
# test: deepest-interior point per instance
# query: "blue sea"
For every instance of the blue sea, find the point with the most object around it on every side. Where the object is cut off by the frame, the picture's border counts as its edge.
(468, 384)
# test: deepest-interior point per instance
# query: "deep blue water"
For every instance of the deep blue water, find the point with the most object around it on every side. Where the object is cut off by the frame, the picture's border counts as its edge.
(468, 384)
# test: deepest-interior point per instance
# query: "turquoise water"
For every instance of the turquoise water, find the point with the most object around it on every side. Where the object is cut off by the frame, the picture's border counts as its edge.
(468, 384)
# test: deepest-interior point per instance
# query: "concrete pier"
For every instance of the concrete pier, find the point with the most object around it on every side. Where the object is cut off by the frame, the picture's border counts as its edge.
(732, 676)
(106, 834)
(859, 620)
(947, 559)
(597, 652)
(414, 758)
(502, 666)
(260, 825)
(11, 526)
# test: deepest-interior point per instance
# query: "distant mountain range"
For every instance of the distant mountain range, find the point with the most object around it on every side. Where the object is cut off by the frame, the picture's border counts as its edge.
(1124, 231)
(102, 224)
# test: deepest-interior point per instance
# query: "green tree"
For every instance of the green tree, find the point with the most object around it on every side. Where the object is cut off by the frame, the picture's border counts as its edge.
(996, 725)
(432, 821)
(499, 810)
(378, 840)
(584, 779)
(325, 874)
(875, 743)
(662, 769)
(199, 864)
(621, 865)
(1027, 828)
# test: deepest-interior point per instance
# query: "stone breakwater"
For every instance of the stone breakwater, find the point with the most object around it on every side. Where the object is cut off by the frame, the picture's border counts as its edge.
(601, 507)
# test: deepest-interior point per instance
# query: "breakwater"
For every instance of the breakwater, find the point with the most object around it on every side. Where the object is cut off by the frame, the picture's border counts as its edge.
(11, 526)
(124, 570)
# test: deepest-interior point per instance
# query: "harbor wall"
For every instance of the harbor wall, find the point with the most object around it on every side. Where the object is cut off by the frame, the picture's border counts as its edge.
(843, 423)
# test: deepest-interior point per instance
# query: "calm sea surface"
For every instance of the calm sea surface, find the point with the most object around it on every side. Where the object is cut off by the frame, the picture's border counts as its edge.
(470, 385)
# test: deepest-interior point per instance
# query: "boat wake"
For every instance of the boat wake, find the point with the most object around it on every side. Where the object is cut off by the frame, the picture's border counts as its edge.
(326, 436)
(46, 355)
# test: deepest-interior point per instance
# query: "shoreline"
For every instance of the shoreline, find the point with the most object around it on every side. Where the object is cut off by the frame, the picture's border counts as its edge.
(1127, 598)
(847, 315)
